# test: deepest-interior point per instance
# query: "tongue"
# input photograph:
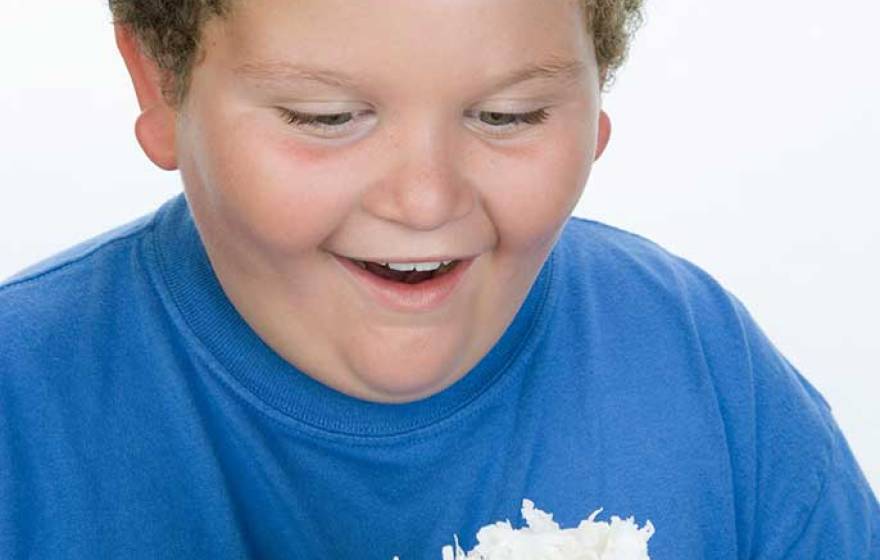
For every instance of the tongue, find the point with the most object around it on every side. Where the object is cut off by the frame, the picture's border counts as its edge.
(411, 277)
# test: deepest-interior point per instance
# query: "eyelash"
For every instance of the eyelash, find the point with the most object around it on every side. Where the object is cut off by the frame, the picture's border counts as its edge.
(309, 120)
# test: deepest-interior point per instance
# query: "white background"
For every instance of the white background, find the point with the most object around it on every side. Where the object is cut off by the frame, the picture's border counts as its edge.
(746, 138)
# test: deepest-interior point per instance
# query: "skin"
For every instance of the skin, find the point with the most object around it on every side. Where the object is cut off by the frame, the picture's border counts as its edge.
(422, 169)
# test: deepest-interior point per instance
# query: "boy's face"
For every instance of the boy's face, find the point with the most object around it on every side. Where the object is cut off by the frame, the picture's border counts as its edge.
(416, 165)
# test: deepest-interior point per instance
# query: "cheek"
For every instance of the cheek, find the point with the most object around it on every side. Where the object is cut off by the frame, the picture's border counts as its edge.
(270, 191)
(539, 188)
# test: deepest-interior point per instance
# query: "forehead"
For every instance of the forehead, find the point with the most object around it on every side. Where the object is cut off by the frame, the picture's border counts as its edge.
(340, 41)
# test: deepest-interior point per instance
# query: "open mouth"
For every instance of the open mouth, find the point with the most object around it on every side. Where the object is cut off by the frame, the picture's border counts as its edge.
(408, 286)
(405, 277)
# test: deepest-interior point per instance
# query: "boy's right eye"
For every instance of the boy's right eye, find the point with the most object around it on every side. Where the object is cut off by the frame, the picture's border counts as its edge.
(333, 124)
(332, 120)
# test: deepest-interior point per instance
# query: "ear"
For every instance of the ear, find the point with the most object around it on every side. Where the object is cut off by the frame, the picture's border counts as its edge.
(604, 134)
(155, 127)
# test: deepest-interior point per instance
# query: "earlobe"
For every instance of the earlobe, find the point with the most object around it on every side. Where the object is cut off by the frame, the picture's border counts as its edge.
(155, 127)
(604, 134)
(157, 137)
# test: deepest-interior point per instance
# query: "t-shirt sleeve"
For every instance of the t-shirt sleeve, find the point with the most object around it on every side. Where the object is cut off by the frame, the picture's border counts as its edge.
(844, 521)
(812, 500)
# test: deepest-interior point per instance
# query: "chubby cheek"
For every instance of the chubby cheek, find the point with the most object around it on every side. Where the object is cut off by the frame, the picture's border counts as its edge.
(539, 188)
(272, 194)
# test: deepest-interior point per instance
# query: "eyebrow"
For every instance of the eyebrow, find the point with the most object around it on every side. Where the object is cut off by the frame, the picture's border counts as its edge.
(283, 72)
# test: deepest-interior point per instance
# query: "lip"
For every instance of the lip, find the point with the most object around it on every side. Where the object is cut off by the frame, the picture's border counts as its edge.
(404, 260)
(422, 297)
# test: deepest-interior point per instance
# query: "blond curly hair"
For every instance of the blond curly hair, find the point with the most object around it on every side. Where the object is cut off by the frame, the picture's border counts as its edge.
(169, 31)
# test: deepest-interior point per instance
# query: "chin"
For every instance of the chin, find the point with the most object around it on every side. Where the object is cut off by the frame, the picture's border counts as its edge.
(406, 391)
(402, 385)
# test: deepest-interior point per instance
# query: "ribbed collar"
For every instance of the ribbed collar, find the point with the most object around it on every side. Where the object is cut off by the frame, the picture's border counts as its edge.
(216, 324)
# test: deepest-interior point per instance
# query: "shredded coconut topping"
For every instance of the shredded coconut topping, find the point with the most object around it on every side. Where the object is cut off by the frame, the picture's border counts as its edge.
(543, 539)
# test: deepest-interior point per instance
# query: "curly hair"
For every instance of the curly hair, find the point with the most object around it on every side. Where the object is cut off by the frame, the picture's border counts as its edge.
(169, 31)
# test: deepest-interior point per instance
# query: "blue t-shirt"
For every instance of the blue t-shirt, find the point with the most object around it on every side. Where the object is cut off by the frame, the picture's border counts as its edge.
(141, 417)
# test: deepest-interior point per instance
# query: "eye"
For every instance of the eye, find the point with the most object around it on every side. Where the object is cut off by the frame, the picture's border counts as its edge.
(332, 123)
(508, 122)
(333, 120)
(506, 119)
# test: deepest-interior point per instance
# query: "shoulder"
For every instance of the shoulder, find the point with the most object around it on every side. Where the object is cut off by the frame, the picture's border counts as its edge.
(626, 252)
(790, 458)
(78, 254)
(639, 273)
(49, 303)
(625, 266)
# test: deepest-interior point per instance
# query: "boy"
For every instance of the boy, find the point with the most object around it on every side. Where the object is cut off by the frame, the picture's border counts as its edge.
(274, 366)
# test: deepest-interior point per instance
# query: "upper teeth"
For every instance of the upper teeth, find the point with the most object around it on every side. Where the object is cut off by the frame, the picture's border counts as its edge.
(421, 267)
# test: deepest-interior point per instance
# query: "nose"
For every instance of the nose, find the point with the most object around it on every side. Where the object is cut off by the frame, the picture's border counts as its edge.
(424, 189)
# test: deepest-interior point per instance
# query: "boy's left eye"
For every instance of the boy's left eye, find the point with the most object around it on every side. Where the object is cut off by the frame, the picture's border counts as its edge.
(507, 119)
(335, 123)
